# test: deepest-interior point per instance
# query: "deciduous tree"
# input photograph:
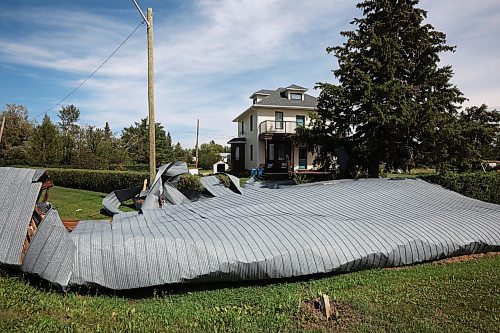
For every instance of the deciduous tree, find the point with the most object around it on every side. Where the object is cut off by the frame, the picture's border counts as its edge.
(14, 147)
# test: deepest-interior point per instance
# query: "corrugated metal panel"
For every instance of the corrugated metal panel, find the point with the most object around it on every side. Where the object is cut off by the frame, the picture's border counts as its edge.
(167, 171)
(113, 200)
(215, 187)
(173, 195)
(51, 252)
(299, 230)
(111, 204)
(236, 183)
(18, 195)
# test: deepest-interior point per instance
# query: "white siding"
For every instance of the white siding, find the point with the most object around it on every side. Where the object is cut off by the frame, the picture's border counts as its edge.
(252, 137)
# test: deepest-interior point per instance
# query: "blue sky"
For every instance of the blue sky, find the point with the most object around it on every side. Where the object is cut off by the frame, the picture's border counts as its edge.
(210, 56)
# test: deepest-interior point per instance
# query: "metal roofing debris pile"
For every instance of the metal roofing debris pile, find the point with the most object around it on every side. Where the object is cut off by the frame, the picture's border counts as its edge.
(52, 252)
(19, 189)
(337, 226)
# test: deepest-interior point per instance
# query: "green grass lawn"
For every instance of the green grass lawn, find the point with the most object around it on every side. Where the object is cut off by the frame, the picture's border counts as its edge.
(413, 174)
(451, 297)
(78, 204)
(456, 297)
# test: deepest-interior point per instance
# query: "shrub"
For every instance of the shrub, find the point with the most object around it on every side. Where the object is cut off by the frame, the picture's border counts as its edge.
(190, 182)
(224, 179)
(96, 180)
(483, 186)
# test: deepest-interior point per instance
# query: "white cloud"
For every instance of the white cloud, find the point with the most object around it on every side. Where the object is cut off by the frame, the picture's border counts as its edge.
(208, 63)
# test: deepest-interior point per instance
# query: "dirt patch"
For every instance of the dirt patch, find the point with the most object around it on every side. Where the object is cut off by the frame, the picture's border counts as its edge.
(467, 257)
(342, 316)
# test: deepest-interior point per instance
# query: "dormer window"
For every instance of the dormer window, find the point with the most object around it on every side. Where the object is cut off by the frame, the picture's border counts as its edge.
(296, 96)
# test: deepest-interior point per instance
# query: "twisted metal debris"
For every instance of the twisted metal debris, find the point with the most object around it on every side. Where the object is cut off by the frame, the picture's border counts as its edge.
(253, 233)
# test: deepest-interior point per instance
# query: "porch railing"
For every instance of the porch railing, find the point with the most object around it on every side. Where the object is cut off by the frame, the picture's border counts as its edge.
(273, 126)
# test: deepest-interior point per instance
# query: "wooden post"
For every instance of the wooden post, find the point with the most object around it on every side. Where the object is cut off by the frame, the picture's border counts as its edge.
(151, 101)
(1, 128)
(197, 134)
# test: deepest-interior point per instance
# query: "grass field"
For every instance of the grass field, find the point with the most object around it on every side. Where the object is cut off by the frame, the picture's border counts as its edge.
(452, 296)
(78, 204)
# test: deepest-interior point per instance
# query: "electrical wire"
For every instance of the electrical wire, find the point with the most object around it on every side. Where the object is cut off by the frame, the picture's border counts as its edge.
(92, 74)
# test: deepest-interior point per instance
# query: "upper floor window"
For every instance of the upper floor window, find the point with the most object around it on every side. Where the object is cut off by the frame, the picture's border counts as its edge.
(278, 119)
(242, 127)
(296, 96)
(251, 122)
(300, 120)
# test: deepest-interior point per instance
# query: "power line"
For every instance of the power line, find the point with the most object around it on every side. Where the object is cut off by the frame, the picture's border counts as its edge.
(92, 74)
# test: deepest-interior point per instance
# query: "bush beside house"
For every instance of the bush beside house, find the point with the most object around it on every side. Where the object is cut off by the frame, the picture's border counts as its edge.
(483, 186)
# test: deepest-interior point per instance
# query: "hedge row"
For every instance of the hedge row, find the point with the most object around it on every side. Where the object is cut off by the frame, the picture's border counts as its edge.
(483, 186)
(96, 180)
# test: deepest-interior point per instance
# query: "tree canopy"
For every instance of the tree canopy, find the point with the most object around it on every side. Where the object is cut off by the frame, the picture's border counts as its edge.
(393, 104)
(14, 146)
(45, 146)
(209, 154)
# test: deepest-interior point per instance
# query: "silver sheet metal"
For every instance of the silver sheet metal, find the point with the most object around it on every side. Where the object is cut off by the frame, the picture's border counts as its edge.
(112, 202)
(214, 186)
(173, 196)
(51, 252)
(329, 227)
(335, 227)
(19, 189)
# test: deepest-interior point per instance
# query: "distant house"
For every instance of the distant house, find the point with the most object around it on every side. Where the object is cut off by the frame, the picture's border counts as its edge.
(225, 157)
(264, 131)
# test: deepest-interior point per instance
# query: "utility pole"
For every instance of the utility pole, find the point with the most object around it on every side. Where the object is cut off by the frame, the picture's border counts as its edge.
(3, 125)
(151, 101)
(197, 134)
(151, 98)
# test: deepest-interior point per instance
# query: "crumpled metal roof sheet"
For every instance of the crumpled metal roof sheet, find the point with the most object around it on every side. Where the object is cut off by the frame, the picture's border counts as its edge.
(214, 186)
(19, 189)
(300, 230)
(173, 195)
(52, 252)
(336, 226)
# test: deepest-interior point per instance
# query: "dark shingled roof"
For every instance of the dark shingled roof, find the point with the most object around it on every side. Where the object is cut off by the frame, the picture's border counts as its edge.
(263, 92)
(279, 97)
(295, 87)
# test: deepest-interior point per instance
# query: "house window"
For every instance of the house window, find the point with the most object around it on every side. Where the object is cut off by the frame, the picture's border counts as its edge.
(251, 122)
(281, 152)
(271, 152)
(300, 120)
(278, 119)
(296, 96)
(251, 152)
(237, 153)
(242, 127)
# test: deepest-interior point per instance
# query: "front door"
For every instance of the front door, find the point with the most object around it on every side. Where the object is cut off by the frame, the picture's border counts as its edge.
(278, 156)
(303, 158)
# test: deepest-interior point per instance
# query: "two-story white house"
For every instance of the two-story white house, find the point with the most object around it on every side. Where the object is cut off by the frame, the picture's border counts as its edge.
(264, 131)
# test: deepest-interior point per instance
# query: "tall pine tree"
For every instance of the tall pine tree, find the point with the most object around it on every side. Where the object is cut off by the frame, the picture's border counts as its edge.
(45, 144)
(393, 101)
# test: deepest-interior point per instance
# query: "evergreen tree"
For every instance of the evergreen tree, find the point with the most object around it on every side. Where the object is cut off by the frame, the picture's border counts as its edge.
(169, 149)
(135, 139)
(393, 102)
(68, 116)
(45, 145)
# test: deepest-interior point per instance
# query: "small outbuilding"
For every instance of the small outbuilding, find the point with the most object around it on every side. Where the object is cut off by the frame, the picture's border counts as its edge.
(220, 166)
